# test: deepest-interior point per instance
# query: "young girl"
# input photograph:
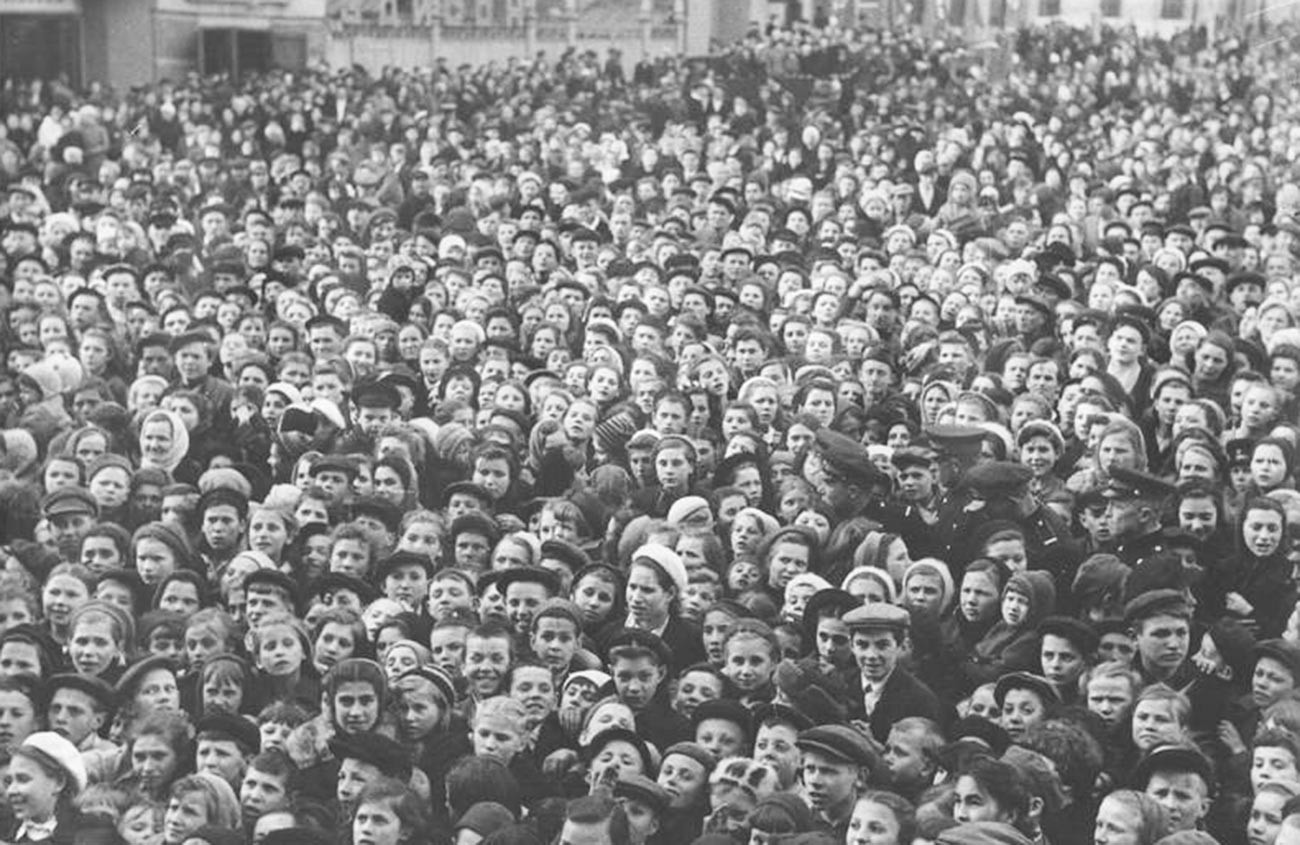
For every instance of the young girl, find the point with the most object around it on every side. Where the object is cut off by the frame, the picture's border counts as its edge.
(882, 818)
(45, 777)
(102, 638)
(197, 801)
(390, 813)
(749, 654)
(1012, 645)
(281, 649)
(1257, 588)
(598, 593)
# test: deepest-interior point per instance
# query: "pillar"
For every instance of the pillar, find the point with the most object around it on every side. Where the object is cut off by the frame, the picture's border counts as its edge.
(530, 28)
(571, 22)
(645, 17)
(679, 19)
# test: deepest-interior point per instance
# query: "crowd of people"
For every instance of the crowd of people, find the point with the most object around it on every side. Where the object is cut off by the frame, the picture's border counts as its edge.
(831, 440)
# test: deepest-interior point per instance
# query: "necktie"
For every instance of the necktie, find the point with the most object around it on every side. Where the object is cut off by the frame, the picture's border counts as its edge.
(870, 698)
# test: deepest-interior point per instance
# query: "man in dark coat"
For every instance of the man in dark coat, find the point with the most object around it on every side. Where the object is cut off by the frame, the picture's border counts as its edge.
(883, 692)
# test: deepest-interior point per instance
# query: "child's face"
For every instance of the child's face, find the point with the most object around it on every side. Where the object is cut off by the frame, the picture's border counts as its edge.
(698, 598)
(744, 575)
(748, 662)
(280, 652)
(499, 738)
(983, 704)
(694, 689)
(1269, 763)
(274, 735)
(637, 680)
(13, 612)
(486, 662)
(1015, 607)
(579, 694)
(201, 642)
(141, 826)
(162, 642)
(447, 645)
(594, 596)
(223, 696)
(796, 599)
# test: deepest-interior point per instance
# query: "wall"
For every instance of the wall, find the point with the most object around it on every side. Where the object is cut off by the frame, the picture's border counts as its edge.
(1145, 15)
(110, 25)
(176, 25)
(375, 48)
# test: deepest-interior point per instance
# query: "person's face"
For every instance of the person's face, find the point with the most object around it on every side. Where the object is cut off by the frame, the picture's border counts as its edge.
(1271, 763)
(498, 738)
(1198, 516)
(19, 658)
(637, 679)
(73, 714)
(829, 784)
(356, 706)
(486, 661)
(1117, 824)
(153, 761)
(1265, 820)
(876, 652)
(1154, 723)
(1183, 795)
(1269, 680)
(32, 792)
(1021, 709)
(1261, 531)
(872, 823)
(1061, 661)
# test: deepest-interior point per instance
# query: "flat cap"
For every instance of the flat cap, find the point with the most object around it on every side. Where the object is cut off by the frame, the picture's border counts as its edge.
(1132, 484)
(1173, 758)
(1158, 603)
(376, 394)
(92, 685)
(848, 457)
(1286, 653)
(387, 755)
(878, 615)
(529, 575)
(912, 456)
(997, 479)
(840, 742)
(239, 729)
(961, 440)
(69, 500)
(637, 787)
(1025, 680)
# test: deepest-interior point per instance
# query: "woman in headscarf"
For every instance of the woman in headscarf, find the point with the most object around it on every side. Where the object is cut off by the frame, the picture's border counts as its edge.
(164, 441)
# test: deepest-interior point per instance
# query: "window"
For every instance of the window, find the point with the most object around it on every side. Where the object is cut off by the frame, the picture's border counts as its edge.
(1172, 10)
(1110, 8)
(1049, 8)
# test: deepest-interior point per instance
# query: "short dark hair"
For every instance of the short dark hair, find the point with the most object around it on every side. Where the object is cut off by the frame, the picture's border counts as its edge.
(600, 809)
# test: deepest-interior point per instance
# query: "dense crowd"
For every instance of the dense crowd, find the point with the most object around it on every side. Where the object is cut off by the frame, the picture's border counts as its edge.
(837, 439)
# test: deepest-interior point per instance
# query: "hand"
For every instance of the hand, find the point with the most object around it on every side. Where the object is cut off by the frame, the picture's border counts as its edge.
(571, 720)
(1231, 737)
(1238, 606)
(559, 762)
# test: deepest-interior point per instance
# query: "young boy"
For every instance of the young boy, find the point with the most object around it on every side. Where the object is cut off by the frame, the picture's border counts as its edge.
(638, 661)
(489, 651)
(265, 787)
(703, 589)
(276, 721)
(555, 635)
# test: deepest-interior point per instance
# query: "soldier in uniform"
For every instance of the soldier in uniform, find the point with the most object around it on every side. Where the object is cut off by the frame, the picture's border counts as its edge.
(999, 490)
(1135, 502)
(842, 472)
